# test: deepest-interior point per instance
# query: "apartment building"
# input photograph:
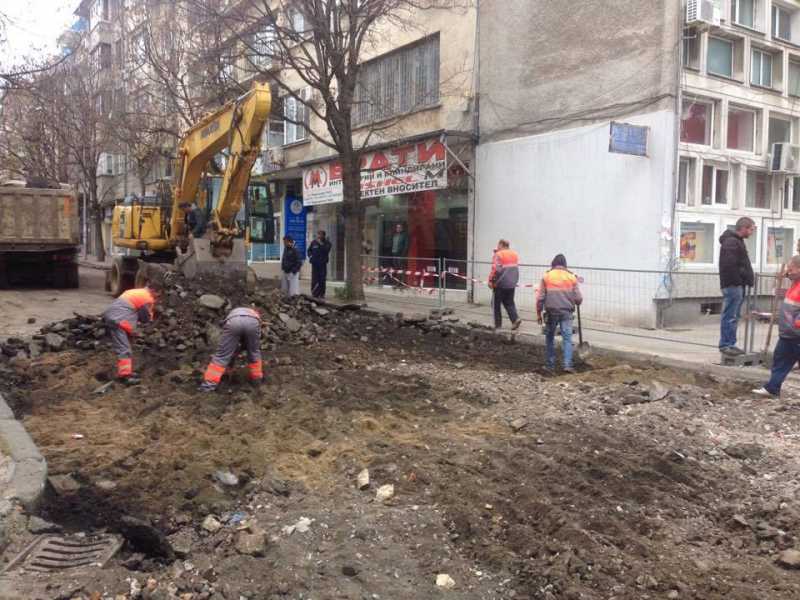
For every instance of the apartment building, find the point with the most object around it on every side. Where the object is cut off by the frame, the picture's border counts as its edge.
(740, 83)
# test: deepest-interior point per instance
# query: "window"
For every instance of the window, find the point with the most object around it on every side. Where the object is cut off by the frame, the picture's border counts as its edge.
(118, 52)
(119, 164)
(691, 49)
(298, 21)
(398, 82)
(761, 68)
(780, 244)
(780, 130)
(781, 23)
(696, 121)
(741, 124)
(720, 57)
(794, 78)
(744, 13)
(715, 186)
(683, 180)
(296, 115)
(697, 242)
(791, 194)
(756, 195)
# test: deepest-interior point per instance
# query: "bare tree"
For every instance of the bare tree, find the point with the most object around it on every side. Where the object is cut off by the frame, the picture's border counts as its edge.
(321, 42)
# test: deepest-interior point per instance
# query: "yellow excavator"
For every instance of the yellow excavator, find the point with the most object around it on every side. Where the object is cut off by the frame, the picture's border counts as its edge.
(158, 231)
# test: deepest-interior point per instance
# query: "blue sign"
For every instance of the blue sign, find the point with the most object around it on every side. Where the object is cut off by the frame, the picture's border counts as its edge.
(628, 139)
(295, 217)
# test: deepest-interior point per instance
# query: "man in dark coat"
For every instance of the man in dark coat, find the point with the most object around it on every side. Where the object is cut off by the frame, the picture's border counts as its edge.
(318, 252)
(735, 273)
(291, 262)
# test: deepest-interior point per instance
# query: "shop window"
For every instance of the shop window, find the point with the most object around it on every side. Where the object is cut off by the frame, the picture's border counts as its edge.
(720, 57)
(780, 244)
(691, 48)
(757, 195)
(749, 243)
(697, 242)
(741, 129)
(780, 130)
(399, 82)
(794, 78)
(761, 68)
(696, 119)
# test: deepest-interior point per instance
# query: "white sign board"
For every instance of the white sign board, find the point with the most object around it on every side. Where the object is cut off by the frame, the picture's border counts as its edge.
(416, 167)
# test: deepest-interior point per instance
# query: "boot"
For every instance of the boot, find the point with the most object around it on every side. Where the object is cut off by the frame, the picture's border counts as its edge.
(256, 383)
(207, 387)
(132, 379)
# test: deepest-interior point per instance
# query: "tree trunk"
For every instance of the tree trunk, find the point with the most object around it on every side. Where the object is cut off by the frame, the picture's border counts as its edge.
(353, 225)
(99, 247)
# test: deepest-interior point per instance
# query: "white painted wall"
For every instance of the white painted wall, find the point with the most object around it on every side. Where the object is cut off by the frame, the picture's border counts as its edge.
(564, 192)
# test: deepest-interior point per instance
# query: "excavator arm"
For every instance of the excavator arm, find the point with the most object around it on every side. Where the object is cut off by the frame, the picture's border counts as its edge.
(237, 127)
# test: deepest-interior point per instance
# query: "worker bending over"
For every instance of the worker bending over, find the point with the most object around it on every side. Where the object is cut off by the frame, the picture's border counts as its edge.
(558, 296)
(132, 307)
(242, 327)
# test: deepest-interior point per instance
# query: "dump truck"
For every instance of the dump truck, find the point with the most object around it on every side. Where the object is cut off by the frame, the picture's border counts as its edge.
(39, 236)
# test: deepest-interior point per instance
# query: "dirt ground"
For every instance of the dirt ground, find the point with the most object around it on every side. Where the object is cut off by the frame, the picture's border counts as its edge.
(46, 305)
(619, 482)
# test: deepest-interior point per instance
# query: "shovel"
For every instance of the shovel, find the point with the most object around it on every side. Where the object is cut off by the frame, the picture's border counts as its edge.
(584, 351)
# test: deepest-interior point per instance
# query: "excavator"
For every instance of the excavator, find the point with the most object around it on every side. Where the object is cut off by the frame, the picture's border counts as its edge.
(158, 230)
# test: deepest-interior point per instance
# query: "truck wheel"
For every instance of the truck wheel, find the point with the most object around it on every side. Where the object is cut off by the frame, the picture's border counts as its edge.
(73, 280)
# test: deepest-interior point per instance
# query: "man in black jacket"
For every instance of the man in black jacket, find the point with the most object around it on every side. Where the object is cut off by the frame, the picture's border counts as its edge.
(318, 252)
(735, 273)
(291, 261)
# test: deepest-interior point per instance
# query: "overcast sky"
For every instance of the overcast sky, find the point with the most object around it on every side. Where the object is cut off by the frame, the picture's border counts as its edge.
(35, 26)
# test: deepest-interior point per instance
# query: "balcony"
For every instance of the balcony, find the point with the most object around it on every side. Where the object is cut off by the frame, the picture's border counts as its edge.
(102, 33)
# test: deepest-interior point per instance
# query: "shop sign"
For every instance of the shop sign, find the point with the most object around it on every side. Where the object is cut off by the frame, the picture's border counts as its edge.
(296, 223)
(417, 167)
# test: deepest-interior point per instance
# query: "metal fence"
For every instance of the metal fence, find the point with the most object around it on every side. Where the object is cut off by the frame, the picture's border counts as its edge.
(677, 306)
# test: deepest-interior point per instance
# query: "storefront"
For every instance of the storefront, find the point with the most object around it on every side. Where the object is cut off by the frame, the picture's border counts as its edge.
(415, 209)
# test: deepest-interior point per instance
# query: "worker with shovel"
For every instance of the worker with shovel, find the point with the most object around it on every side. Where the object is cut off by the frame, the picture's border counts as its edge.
(557, 297)
(242, 327)
(787, 350)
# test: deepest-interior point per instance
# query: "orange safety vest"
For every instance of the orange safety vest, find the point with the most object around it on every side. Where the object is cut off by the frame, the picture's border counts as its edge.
(138, 298)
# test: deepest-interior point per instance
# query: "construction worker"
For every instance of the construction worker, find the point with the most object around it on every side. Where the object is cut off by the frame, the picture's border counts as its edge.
(787, 350)
(194, 218)
(557, 297)
(132, 307)
(503, 280)
(242, 327)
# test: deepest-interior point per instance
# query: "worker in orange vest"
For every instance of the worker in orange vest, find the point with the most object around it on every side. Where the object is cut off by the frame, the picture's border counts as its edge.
(503, 279)
(242, 327)
(132, 307)
(557, 297)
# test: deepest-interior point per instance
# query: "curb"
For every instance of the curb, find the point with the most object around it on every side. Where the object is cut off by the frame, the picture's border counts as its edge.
(29, 471)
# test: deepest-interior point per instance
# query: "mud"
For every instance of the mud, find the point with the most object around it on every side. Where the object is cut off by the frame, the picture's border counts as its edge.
(595, 492)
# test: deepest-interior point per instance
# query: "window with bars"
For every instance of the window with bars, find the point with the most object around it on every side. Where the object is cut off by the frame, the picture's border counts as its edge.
(263, 45)
(398, 82)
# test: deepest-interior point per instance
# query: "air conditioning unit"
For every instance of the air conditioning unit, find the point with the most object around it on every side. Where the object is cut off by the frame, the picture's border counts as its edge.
(703, 12)
(785, 158)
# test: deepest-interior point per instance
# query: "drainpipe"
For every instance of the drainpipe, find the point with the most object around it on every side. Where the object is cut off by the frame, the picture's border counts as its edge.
(476, 129)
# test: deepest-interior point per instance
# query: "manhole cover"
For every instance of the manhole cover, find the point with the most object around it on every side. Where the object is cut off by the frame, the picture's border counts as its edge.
(55, 553)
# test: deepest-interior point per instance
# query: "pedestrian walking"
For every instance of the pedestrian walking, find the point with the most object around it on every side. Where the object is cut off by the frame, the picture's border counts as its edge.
(241, 329)
(318, 252)
(290, 267)
(399, 253)
(503, 280)
(735, 273)
(132, 307)
(787, 349)
(556, 300)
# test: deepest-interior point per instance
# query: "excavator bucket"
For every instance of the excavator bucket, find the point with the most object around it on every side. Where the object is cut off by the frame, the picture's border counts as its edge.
(200, 259)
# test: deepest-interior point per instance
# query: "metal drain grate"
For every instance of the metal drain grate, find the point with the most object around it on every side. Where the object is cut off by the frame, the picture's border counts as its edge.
(54, 553)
